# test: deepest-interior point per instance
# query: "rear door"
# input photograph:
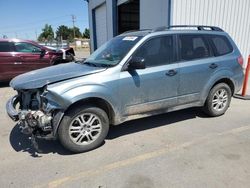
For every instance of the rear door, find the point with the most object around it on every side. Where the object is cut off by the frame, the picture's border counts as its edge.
(7, 61)
(29, 57)
(197, 64)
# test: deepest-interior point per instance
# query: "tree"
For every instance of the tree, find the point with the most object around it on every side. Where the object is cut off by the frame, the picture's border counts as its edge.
(47, 34)
(78, 33)
(86, 33)
(63, 32)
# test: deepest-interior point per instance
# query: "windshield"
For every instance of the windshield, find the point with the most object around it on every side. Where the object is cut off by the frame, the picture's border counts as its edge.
(113, 51)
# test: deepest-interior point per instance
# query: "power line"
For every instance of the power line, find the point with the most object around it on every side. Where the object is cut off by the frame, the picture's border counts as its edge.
(32, 23)
(32, 28)
(23, 28)
(36, 25)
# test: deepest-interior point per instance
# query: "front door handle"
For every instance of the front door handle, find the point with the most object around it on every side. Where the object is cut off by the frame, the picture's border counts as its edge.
(18, 63)
(171, 72)
(213, 66)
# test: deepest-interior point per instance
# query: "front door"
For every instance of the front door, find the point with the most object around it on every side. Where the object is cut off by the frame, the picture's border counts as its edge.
(153, 88)
(29, 57)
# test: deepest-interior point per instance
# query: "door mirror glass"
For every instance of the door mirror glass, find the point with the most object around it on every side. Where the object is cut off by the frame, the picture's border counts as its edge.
(136, 63)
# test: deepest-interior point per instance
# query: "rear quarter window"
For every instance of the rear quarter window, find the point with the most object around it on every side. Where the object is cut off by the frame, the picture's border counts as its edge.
(221, 45)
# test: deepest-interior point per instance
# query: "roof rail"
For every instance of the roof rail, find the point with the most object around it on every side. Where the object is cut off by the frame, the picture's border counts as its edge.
(199, 27)
(136, 30)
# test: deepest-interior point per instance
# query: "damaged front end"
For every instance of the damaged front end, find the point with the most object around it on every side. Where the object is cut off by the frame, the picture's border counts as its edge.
(35, 114)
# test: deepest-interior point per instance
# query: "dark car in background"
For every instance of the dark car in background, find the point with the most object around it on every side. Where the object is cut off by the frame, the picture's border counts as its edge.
(20, 56)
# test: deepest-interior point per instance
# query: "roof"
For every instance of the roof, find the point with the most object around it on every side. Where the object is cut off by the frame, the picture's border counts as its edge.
(19, 40)
(137, 33)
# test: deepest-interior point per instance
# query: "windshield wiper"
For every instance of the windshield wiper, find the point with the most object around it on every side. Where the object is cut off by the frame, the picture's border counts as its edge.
(106, 65)
(97, 64)
(79, 61)
(90, 64)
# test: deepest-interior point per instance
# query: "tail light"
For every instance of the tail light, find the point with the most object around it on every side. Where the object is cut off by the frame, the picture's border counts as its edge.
(240, 60)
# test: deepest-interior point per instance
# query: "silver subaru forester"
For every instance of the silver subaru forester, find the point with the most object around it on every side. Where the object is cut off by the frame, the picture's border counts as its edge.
(134, 75)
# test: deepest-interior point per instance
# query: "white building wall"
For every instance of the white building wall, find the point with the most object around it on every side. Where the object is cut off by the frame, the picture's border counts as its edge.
(101, 24)
(95, 24)
(154, 13)
(233, 16)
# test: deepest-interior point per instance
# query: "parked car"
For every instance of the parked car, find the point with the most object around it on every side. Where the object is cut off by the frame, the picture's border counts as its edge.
(20, 56)
(134, 75)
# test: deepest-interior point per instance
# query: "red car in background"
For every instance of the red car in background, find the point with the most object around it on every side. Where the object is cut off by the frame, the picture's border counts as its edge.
(20, 56)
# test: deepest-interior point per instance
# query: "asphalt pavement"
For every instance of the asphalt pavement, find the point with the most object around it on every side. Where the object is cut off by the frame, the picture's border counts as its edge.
(178, 149)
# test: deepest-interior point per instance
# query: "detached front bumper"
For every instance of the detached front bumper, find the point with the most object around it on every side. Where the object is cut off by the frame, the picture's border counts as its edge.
(11, 108)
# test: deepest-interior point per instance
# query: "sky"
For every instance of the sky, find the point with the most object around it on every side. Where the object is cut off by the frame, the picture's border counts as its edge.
(25, 18)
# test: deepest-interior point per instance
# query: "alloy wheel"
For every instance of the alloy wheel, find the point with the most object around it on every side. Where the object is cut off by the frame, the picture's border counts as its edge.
(85, 128)
(220, 100)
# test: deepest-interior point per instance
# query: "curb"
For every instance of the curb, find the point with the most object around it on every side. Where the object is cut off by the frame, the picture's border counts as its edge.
(238, 96)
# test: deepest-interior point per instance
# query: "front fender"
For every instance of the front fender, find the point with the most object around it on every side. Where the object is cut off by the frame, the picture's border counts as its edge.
(66, 97)
(88, 91)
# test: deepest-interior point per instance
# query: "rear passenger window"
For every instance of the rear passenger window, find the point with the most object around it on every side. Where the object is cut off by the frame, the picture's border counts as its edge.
(221, 44)
(5, 47)
(193, 47)
(157, 51)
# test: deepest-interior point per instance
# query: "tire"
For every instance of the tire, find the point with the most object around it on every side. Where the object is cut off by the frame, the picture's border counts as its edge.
(77, 128)
(70, 57)
(56, 62)
(218, 100)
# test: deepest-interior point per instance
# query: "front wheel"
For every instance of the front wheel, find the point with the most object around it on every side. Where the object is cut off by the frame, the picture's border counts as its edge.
(83, 129)
(218, 100)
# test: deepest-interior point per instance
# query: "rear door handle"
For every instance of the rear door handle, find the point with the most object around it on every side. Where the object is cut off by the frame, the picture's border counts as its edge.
(171, 72)
(18, 63)
(213, 66)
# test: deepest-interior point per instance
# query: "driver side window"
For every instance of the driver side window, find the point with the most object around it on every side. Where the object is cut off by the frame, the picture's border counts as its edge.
(26, 47)
(157, 51)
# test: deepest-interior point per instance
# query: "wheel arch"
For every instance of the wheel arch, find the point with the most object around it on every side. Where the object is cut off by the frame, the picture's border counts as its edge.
(97, 102)
(221, 79)
(227, 81)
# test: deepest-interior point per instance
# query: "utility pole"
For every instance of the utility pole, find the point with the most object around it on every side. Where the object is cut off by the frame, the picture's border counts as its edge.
(36, 35)
(73, 21)
(74, 34)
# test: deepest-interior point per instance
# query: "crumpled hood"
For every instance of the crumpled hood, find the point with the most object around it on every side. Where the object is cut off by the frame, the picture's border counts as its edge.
(41, 77)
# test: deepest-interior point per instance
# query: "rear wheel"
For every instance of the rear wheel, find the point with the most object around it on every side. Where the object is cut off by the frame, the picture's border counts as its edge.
(83, 129)
(218, 100)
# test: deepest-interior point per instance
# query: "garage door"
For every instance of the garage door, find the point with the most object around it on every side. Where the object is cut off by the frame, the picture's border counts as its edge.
(101, 24)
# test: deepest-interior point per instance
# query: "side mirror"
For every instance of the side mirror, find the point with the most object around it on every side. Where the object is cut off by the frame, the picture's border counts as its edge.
(136, 63)
(43, 51)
